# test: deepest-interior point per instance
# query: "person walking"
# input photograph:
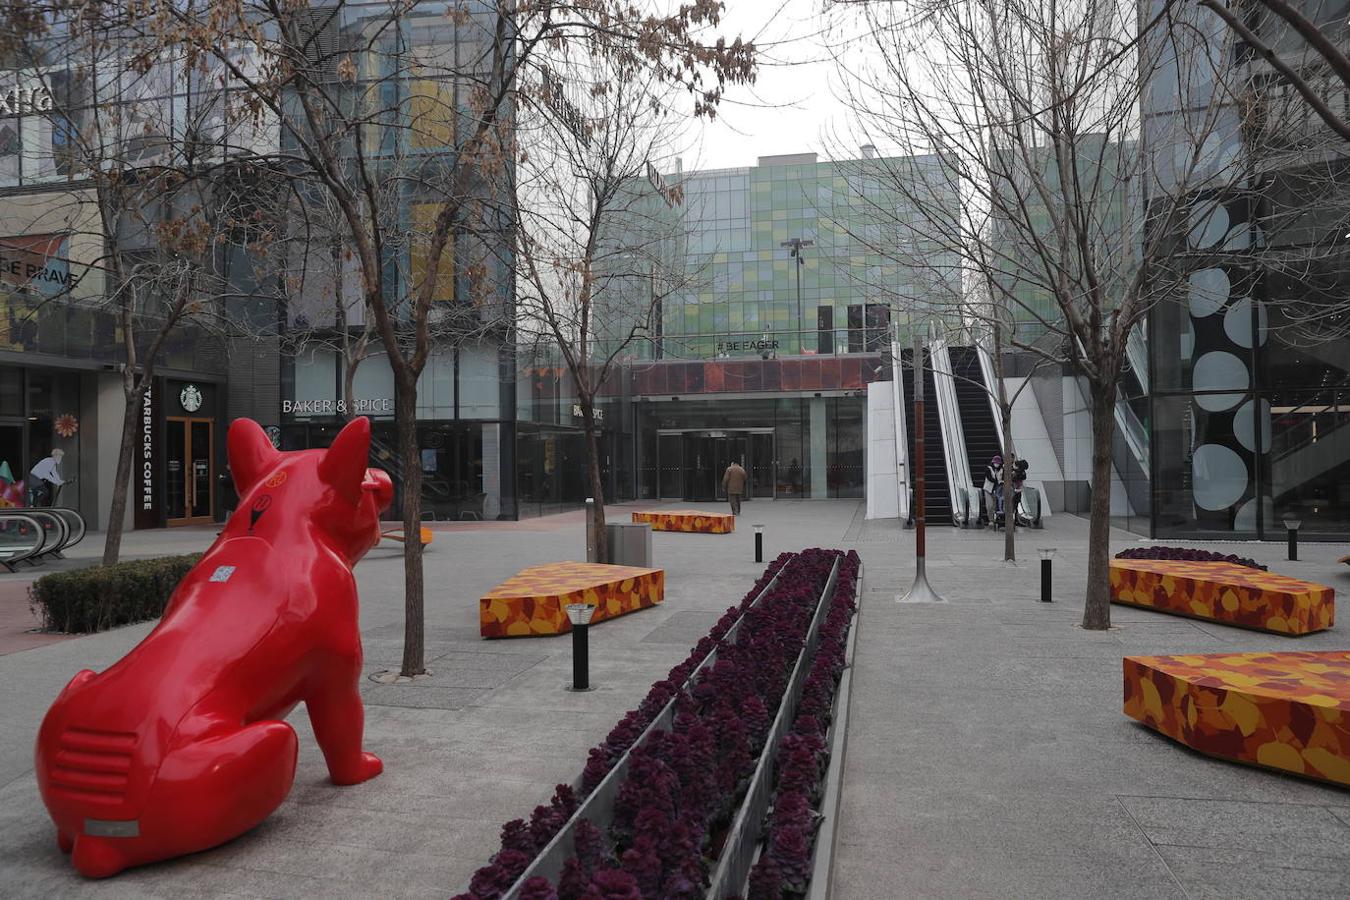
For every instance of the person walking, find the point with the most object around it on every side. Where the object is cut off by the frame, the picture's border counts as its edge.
(733, 482)
(47, 479)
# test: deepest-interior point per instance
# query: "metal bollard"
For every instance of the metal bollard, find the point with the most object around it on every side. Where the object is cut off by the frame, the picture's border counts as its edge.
(759, 543)
(579, 614)
(1291, 527)
(1046, 570)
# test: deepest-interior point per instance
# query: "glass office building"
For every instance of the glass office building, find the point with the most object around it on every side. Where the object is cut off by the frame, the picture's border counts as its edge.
(790, 279)
(1248, 399)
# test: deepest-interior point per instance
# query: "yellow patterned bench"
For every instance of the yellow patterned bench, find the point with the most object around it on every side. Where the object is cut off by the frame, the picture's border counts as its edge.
(1287, 711)
(687, 520)
(1224, 592)
(532, 601)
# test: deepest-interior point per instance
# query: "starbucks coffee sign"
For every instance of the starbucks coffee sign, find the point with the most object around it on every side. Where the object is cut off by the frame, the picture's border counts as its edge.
(191, 398)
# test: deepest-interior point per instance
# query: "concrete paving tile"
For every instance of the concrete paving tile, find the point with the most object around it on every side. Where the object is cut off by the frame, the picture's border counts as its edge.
(1276, 828)
(954, 872)
(1225, 874)
(421, 697)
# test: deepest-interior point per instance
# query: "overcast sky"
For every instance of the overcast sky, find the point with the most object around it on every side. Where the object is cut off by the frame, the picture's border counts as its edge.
(792, 107)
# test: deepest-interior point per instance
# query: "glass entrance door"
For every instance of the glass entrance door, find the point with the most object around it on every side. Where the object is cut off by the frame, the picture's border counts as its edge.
(190, 477)
(691, 463)
(700, 475)
(760, 465)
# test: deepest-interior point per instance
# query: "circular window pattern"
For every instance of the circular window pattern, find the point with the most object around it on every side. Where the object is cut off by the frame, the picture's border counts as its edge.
(1237, 322)
(1208, 292)
(1209, 223)
(1244, 428)
(1219, 371)
(1218, 477)
(1245, 520)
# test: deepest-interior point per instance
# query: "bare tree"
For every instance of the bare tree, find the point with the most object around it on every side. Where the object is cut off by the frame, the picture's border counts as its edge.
(596, 238)
(427, 96)
(1322, 36)
(161, 195)
(1035, 107)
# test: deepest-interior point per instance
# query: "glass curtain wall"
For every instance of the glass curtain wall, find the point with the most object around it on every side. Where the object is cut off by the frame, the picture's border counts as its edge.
(815, 449)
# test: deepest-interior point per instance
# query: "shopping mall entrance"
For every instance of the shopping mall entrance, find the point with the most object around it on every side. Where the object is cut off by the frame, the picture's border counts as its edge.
(691, 463)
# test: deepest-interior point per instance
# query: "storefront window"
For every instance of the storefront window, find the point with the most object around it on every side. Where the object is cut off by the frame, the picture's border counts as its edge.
(844, 465)
(1307, 434)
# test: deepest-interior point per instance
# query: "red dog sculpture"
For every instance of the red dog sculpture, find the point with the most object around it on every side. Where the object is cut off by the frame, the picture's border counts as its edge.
(180, 745)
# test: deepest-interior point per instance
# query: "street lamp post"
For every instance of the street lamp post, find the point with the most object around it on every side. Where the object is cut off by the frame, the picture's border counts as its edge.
(921, 591)
(798, 245)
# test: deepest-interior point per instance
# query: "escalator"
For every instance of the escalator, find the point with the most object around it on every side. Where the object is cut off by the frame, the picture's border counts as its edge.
(977, 412)
(937, 494)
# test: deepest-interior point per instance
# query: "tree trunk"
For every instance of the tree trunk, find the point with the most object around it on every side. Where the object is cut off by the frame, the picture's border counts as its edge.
(135, 396)
(349, 385)
(1097, 611)
(597, 484)
(405, 423)
(1009, 507)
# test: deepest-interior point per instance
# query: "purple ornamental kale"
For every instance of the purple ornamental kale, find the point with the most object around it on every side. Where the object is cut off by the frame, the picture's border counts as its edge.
(537, 888)
(612, 884)
(644, 863)
(791, 850)
(516, 836)
(592, 848)
(766, 883)
(574, 881)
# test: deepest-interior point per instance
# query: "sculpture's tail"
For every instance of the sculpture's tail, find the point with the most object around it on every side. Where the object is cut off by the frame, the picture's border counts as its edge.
(204, 794)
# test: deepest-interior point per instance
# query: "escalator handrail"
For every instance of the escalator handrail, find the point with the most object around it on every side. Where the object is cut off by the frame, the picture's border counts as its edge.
(20, 514)
(73, 519)
(949, 421)
(1338, 419)
(1136, 352)
(901, 430)
(62, 529)
(1132, 430)
(990, 390)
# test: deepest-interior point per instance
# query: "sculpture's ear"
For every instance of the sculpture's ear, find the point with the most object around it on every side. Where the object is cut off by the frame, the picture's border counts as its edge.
(250, 452)
(343, 467)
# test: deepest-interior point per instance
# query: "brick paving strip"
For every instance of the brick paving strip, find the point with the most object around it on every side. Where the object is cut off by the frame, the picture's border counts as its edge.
(17, 621)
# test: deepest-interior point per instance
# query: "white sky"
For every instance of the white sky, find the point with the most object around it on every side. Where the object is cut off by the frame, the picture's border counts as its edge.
(792, 106)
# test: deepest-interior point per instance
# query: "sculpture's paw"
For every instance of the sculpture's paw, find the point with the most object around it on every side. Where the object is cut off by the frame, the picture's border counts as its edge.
(64, 842)
(96, 858)
(369, 766)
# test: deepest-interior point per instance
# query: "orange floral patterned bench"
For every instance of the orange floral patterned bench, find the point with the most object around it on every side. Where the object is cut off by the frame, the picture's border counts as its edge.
(1224, 592)
(1286, 711)
(533, 601)
(688, 520)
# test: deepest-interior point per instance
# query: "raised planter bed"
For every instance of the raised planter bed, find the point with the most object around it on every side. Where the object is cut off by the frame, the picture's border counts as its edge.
(671, 804)
(796, 855)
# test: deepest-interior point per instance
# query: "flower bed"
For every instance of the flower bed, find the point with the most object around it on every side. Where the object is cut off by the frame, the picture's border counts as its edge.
(785, 863)
(1186, 554)
(682, 786)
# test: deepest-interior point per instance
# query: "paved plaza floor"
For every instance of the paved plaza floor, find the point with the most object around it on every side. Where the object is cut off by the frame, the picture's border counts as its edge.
(987, 752)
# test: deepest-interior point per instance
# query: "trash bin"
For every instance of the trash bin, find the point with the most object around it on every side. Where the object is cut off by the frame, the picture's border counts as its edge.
(630, 543)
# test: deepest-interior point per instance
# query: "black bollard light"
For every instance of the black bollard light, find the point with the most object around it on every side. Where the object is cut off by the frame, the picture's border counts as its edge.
(1291, 526)
(579, 614)
(1047, 553)
(759, 543)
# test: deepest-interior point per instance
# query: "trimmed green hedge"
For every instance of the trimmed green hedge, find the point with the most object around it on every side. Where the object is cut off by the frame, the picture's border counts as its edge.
(104, 597)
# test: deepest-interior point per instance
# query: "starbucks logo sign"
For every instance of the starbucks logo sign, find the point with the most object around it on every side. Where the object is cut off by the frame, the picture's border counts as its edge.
(191, 398)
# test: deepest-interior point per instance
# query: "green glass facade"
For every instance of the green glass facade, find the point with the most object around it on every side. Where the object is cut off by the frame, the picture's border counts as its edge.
(745, 294)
